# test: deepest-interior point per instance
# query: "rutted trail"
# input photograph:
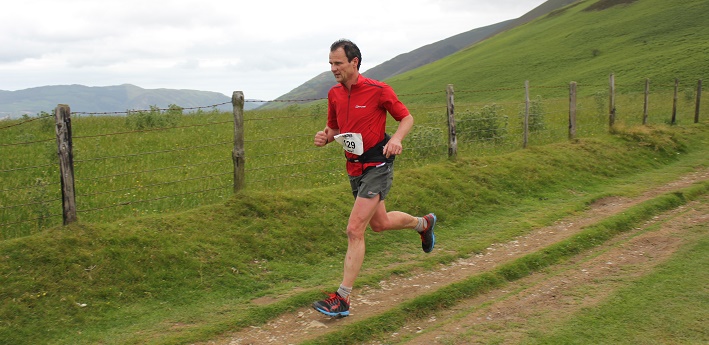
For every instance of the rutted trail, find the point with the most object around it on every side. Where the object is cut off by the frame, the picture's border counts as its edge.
(305, 323)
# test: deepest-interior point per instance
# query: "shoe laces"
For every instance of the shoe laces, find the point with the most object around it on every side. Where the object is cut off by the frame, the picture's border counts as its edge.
(334, 297)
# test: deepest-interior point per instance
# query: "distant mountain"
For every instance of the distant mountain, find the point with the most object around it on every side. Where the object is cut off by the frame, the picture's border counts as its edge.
(317, 87)
(432, 52)
(105, 99)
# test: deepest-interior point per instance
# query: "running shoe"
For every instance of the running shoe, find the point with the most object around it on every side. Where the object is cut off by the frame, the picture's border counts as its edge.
(428, 239)
(333, 306)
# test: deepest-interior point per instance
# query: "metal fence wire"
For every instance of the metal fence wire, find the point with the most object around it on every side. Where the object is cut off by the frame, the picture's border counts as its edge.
(153, 161)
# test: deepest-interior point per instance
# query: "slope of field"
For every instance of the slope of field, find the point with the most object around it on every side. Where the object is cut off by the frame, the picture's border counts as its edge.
(635, 40)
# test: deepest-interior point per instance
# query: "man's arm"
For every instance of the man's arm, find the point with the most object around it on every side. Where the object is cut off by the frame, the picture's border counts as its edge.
(325, 136)
(394, 147)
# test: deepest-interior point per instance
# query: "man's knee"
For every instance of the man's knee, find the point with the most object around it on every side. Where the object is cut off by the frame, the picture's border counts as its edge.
(377, 227)
(355, 231)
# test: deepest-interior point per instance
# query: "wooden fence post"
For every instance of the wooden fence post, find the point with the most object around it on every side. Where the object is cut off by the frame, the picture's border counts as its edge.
(62, 120)
(611, 102)
(237, 155)
(452, 138)
(674, 103)
(525, 135)
(647, 101)
(572, 110)
(699, 100)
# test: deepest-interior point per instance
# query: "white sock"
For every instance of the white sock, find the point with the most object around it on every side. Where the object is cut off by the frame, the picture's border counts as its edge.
(422, 224)
(344, 291)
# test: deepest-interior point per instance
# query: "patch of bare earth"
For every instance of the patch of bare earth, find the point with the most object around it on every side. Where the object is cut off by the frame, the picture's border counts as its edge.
(505, 313)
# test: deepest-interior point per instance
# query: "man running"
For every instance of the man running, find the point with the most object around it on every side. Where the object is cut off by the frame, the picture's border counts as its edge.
(356, 119)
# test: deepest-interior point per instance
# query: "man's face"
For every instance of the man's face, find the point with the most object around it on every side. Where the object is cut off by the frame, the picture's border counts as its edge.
(343, 70)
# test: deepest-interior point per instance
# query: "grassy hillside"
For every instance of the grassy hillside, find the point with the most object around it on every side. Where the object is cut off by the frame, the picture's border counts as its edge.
(653, 39)
(174, 276)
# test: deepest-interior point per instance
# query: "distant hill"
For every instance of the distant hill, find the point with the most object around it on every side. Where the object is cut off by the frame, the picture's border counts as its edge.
(582, 42)
(318, 86)
(104, 99)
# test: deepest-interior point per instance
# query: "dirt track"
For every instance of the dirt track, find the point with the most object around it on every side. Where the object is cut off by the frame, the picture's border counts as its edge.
(534, 302)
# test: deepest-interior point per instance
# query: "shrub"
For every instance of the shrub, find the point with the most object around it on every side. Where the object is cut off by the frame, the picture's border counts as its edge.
(484, 124)
(154, 118)
(423, 142)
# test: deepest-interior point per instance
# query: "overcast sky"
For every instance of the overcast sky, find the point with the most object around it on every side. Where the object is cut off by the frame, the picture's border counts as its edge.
(265, 48)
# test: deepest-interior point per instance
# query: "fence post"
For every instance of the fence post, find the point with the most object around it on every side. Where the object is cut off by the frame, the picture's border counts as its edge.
(62, 121)
(611, 103)
(237, 155)
(572, 110)
(525, 135)
(674, 103)
(647, 101)
(699, 99)
(452, 138)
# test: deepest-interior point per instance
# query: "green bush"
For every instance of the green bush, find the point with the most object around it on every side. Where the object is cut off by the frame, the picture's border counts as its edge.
(423, 142)
(482, 125)
(154, 118)
(536, 115)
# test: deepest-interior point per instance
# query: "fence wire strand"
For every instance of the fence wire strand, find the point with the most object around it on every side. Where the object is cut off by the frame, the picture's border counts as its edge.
(280, 147)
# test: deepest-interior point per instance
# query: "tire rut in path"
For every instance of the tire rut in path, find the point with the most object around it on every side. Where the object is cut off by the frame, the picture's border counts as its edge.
(541, 301)
(305, 323)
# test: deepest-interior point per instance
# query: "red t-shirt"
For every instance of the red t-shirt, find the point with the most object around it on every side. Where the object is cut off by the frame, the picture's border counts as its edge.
(363, 110)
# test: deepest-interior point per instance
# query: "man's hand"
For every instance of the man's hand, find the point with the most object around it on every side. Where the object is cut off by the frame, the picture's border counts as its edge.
(393, 147)
(320, 139)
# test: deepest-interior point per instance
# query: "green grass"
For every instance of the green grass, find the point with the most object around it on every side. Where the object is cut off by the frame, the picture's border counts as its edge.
(184, 277)
(667, 306)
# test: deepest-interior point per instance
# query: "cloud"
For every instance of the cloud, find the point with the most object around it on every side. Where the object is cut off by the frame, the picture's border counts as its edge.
(265, 48)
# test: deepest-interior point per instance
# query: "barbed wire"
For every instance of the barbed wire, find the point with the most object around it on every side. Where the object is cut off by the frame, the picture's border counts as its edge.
(295, 175)
(28, 168)
(25, 121)
(30, 203)
(38, 186)
(151, 130)
(152, 152)
(280, 117)
(184, 166)
(148, 110)
(32, 219)
(420, 148)
(30, 142)
(126, 203)
(293, 164)
(157, 184)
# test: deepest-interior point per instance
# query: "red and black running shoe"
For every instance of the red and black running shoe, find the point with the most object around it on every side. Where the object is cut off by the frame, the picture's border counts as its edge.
(333, 306)
(428, 239)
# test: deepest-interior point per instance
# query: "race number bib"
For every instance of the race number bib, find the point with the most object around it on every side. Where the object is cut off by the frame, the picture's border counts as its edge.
(351, 142)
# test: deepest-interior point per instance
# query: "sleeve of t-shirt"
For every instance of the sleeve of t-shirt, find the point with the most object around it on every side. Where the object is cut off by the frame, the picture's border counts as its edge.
(393, 105)
(331, 115)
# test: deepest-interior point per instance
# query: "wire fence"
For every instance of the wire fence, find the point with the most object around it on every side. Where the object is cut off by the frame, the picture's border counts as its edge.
(153, 161)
